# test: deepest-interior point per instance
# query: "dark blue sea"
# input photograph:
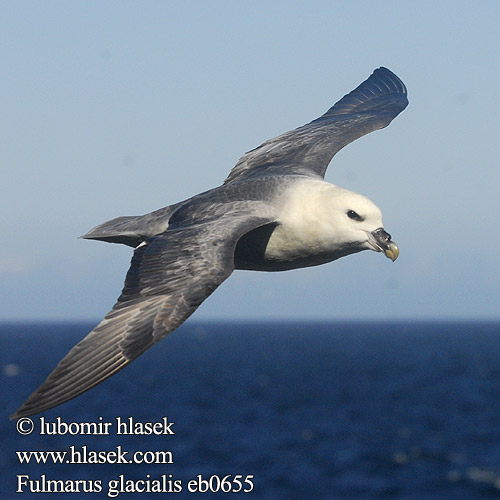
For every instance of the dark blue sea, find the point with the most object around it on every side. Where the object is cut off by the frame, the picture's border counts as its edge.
(307, 411)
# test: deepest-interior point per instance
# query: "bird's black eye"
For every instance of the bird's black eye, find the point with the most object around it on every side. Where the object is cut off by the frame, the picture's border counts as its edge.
(354, 216)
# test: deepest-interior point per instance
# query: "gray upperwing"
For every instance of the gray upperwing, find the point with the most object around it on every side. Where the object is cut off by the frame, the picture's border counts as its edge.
(309, 149)
(169, 277)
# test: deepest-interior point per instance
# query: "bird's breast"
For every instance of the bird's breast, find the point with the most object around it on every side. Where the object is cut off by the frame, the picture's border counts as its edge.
(299, 238)
(275, 247)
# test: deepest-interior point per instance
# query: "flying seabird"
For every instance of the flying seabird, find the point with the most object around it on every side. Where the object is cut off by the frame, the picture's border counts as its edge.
(273, 212)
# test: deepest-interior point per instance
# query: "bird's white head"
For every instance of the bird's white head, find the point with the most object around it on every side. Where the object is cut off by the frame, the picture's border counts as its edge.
(354, 221)
(322, 222)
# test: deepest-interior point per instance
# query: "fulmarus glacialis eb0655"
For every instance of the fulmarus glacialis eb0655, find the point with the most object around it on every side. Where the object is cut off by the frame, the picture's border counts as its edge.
(273, 212)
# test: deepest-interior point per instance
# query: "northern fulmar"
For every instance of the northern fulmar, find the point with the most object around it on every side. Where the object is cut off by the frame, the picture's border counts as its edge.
(273, 212)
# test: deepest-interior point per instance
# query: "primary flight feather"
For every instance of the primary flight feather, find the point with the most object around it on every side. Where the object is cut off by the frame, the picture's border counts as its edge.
(274, 212)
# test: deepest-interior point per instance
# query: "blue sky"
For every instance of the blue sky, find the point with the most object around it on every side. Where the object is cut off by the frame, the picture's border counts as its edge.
(119, 108)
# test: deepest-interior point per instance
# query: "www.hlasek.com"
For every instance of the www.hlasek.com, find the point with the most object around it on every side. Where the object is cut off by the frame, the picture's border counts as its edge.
(165, 483)
(83, 455)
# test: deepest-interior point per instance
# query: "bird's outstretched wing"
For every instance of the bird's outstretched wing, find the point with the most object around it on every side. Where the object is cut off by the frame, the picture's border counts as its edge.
(309, 149)
(169, 277)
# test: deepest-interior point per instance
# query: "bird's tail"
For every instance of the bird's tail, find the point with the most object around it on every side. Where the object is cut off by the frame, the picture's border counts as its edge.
(132, 230)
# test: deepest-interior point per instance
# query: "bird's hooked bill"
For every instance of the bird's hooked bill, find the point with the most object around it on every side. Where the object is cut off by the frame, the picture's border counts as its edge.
(385, 244)
(392, 252)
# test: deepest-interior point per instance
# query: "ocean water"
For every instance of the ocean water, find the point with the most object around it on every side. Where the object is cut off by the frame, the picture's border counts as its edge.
(347, 411)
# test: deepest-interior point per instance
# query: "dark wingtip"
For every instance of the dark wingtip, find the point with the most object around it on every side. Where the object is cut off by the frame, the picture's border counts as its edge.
(382, 88)
(27, 409)
(390, 79)
(20, 413)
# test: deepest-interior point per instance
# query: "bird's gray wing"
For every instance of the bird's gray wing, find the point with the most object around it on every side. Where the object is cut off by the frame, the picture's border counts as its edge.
(309, 149)
(169, 277)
